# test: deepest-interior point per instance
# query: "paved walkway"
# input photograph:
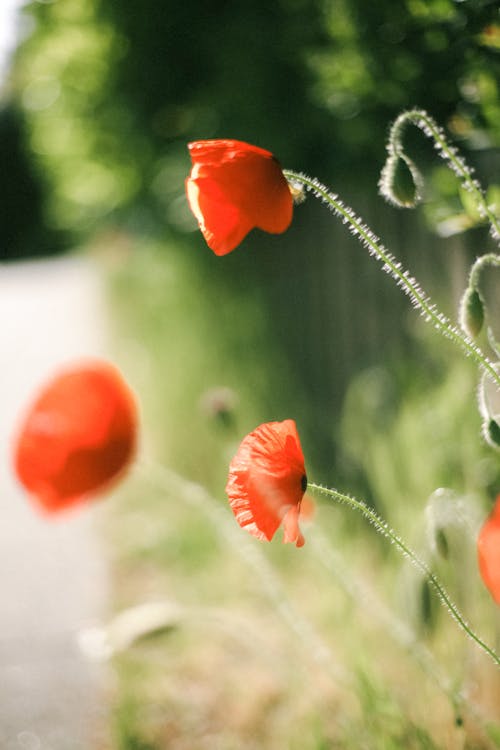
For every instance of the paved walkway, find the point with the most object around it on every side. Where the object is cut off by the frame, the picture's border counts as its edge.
(53, 580)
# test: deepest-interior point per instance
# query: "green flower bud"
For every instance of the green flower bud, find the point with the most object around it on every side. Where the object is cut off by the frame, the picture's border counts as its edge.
(471, 312)
(401, 182)
(442, 545)
(491, 430)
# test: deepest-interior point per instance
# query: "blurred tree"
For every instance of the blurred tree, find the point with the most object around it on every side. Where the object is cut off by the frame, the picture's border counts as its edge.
(22, 231)
(440, 55)
(112, 91)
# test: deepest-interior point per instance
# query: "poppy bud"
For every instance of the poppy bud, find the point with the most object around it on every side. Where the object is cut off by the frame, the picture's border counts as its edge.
(491, 431)
(220, 405)
(77, 437)
(401, 182)
(439, 512)
(489, 406)
(442, 545)
(471, 312)
(447, 516)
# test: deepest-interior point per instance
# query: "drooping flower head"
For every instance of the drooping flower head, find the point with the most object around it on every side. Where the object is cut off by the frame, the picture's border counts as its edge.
(78, 435)
(267, 480)
(488, 552)
(234, 187)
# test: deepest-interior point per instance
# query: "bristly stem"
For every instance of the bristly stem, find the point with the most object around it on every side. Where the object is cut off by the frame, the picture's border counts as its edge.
(490, 259)
(430, 128)
(382, 527)
(393, 267)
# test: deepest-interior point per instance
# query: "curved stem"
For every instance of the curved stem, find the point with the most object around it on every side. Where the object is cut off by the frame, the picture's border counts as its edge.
(427, 125)
(383, 528)
(393, 267)
(490, 259)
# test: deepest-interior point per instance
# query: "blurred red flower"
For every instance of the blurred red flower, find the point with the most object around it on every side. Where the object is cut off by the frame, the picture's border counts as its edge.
(488, 552)
(267, 479)
(78, 435)
(234, 187)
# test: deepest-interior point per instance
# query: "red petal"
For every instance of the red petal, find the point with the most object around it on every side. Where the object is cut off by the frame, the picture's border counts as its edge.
(78, 435)
(488, 552)
(266, 479)
(223, 225)
(291, 531)
(234, 187)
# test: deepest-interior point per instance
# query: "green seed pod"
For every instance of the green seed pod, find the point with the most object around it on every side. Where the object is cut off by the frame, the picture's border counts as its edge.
(471, 312)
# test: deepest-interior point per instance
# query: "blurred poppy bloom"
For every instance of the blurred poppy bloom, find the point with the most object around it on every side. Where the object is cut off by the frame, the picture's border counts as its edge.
(267, 480)
(234, 187)
(488, 552)
(77, 437)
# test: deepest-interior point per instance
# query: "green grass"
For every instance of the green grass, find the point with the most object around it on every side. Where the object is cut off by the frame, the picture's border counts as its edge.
(275, 647)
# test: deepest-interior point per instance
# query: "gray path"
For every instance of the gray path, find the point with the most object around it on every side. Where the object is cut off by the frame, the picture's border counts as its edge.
(53, 580)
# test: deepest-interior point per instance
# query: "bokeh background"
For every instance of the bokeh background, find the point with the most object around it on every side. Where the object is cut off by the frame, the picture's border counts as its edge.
(98, 104)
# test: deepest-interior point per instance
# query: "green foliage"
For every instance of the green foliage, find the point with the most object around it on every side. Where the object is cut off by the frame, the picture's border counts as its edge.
(233, 673)
(22, 232)
(405, 459)
(386, 57)
(197, 333)
(63, 76)
(112, 91)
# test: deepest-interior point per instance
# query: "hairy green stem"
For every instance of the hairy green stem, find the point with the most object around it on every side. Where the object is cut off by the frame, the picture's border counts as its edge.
(382, 527)
(393, 267)
(490, 259)
(427, 125)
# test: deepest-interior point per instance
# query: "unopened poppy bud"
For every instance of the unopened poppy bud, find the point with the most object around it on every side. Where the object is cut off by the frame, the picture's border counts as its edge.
(446, 517)
(427, 608)
(471, 312)
(401, 181)
(442, 545)
(491, 431)
(219, 404)
(489, 407)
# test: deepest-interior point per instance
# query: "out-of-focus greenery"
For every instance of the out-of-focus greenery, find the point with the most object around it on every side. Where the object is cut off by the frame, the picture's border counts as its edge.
(112, 91)
(230, 672)
(440, 55)
(109, 92)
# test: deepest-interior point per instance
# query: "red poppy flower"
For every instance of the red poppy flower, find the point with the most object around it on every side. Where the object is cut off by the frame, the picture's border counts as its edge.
(488, 552)
(234, 187)
(78, 435)
(267, 480)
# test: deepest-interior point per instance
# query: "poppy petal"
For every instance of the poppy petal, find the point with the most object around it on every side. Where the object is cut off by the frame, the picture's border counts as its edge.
(488, 552)
(266, 481)
(291, 531)
(234, 187)
(221, 223)
(78, 435)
